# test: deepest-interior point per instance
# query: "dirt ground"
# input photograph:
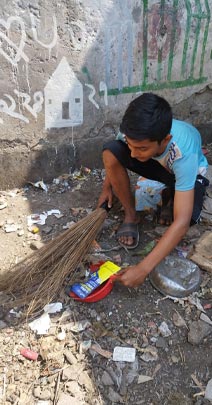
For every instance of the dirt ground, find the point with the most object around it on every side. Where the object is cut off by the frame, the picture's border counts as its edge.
(173, 360)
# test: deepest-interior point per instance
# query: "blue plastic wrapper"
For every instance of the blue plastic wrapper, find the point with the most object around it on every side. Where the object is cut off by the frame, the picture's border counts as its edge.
(82, 290)
(148, 194)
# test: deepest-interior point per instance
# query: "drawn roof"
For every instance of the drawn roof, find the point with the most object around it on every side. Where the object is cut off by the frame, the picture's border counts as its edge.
(62, 76)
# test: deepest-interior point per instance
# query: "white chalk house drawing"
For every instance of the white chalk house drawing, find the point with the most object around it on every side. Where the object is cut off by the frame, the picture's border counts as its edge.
(63, 98)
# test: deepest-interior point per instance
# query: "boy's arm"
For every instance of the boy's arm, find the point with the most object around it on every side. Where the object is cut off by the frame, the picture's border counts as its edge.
(183, 207)
(106, 193)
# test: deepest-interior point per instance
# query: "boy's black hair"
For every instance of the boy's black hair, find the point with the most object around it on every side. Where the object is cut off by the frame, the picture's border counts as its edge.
(147, 117)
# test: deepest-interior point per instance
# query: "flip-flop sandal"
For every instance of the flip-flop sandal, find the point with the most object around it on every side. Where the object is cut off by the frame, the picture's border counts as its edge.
(128, 229)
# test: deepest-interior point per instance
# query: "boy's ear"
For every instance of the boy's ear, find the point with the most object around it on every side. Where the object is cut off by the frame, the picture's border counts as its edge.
(167, 138)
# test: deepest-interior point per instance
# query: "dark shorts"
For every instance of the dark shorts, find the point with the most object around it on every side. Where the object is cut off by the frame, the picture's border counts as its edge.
(154, 171)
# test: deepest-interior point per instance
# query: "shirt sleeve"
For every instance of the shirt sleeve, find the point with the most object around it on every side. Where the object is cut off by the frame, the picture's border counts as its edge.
(120, 137)
(185, 170)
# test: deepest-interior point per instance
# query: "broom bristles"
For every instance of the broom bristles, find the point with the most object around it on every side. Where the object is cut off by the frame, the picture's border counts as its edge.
(38, 279)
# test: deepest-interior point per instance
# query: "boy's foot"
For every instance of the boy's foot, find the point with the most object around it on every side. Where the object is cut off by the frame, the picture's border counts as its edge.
(128, 235)
(166, 215)
(166, 211)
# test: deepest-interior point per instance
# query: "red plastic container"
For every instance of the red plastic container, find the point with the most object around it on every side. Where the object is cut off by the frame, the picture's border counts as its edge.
(101, 292)
(29, 354)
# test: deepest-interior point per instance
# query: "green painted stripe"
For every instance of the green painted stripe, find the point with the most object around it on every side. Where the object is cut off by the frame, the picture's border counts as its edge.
(156, 86)
(205, 37)
(173, 38)
(160, 51)
(197, 32)
(86, 72)
(145, 40)
(188, 27)
(200, 16)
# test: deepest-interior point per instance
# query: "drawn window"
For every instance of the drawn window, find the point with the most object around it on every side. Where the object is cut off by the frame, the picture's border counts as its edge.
(77, 100)
(65, 110)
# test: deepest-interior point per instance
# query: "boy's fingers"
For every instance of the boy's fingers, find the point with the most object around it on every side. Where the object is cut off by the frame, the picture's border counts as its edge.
(110, 202)
(118, 276)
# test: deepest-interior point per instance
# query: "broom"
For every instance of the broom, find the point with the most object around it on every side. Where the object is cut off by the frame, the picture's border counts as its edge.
(37, 280)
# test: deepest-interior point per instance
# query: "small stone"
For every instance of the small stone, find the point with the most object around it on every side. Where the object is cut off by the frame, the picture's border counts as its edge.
(74, 389)
(174, 359)
(85, 380)
(37, 392)
(10, 228)
(72, 373)
(3, 204)
(161, 343)
(164, 329)
(35, 245)
(144, 378)
(2, 325)
(7, 340)
(114, 397)
(45, 394)
(208, 391)
(70, 357)
(47, 229)
(42, 394)
(106, 379)
(198, 331)
(150, 355)
(65, 399)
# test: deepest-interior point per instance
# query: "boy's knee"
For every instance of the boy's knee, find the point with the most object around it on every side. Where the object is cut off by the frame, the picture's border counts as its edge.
(116, 151)
(109, 158)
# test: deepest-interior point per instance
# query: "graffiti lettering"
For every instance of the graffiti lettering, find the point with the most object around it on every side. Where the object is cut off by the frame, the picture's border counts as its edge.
(92, 94)
(12, 52)
(10, 110)
(35, 35)
(37, 106)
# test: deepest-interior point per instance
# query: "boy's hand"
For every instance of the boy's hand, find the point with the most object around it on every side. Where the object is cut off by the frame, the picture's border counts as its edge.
(132, 276)
(106, 195)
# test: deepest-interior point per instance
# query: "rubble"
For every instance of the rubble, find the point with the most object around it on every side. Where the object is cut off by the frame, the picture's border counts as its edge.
(167, 338)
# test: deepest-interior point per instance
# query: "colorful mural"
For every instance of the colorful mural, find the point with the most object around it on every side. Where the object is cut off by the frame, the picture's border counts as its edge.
(163, 27)
(145, 45)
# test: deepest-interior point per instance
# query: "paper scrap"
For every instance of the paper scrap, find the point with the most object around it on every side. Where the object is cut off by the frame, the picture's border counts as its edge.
(124, 354)
(41, 325)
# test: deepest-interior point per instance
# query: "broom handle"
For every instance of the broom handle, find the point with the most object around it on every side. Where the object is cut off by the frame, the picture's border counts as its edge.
(104, 205)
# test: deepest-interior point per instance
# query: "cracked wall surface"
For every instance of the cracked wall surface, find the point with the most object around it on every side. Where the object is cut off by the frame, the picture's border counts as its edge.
(70, 68)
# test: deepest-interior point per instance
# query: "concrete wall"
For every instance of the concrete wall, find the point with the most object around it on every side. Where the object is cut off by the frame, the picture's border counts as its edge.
(69, 68)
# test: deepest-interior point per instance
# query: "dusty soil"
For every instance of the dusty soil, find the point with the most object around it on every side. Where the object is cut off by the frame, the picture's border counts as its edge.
(74, 366)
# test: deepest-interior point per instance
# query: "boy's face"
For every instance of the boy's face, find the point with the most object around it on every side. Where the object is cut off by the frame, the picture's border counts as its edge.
(146, 149)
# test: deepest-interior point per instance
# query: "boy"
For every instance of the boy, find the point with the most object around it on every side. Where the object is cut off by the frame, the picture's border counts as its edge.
(155, 146)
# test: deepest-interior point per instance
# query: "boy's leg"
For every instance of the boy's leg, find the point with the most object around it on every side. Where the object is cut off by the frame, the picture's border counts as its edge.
(199, 193)
(117, 160)
(166, 210)
(168, 199)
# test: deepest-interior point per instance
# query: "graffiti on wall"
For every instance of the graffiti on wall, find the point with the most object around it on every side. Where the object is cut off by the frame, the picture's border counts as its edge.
(161, 44)
(63, 93)
(12, 50)
(158, 45)
(63, 98)
(24, 99)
